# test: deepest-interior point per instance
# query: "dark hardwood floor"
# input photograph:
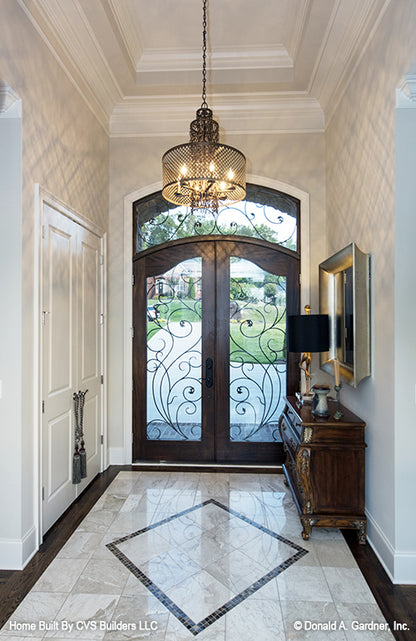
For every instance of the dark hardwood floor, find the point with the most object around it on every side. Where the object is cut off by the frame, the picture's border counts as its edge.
(397, 602)
(15, 585)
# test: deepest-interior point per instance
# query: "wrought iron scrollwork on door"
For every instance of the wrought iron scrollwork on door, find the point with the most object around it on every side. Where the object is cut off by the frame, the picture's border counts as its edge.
(257, 357)
(174, 354)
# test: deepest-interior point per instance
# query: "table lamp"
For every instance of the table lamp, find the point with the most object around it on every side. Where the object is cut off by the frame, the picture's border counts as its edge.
(307, 333)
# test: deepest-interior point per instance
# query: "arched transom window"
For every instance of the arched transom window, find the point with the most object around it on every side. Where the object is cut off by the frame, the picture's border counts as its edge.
(265, 214)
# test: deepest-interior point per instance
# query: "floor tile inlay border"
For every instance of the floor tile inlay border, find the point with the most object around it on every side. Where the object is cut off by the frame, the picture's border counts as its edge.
(197, 627)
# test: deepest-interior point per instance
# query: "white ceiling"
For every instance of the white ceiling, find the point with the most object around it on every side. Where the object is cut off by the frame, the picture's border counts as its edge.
(273, 65)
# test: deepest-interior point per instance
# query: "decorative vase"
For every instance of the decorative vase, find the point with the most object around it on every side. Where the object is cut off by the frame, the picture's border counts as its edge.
(320, 400)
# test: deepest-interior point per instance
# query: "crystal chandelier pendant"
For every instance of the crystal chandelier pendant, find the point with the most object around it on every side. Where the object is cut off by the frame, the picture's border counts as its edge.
(204, 174)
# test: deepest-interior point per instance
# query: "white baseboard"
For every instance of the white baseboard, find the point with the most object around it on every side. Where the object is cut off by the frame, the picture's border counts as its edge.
(405, 568)
(116, 456)
(381, 545)
(399, 565)
(16, 553)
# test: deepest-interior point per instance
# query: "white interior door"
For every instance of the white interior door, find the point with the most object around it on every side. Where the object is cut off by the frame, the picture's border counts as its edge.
(71, 356)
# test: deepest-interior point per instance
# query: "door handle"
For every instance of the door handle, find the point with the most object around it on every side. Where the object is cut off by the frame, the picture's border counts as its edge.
(209, 372)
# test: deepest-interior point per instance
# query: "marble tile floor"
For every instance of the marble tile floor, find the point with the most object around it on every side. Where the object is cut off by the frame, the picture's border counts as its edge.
(170, 556)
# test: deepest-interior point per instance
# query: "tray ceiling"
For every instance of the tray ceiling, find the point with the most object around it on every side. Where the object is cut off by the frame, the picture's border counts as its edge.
(274, 65)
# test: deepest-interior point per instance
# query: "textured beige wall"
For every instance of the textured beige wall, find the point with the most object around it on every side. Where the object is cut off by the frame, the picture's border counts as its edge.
(297, 160)
(360, 144)
(66, 151)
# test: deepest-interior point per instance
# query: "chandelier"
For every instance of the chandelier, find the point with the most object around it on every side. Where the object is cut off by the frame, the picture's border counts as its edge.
(204, 174)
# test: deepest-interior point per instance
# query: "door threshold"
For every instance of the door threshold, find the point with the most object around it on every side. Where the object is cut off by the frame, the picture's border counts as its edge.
(170, 466)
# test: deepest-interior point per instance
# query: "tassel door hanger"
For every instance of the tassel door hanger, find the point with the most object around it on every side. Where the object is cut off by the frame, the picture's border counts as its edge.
(79, 460)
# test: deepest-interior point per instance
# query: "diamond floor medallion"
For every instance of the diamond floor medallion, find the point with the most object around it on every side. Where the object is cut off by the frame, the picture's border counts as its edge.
(209, 551)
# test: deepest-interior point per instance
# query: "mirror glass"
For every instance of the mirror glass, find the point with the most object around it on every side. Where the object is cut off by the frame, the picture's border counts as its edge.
(344, 295)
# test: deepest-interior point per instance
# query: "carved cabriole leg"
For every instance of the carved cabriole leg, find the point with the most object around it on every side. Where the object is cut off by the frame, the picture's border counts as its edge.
(303, 468)
(307, 527)
(362, 531)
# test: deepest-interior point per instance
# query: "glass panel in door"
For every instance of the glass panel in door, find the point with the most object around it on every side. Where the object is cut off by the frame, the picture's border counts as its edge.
(257, 352)
(174, 348)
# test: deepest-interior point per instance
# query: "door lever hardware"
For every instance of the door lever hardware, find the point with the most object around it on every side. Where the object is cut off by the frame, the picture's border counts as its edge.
(209, 372)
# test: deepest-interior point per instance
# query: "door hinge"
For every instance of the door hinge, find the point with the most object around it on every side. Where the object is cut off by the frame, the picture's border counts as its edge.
(44, 315)
(102, 379)
(43, 407)
(132, 332)
(133, 280)
(300, 279)
(44, 231)
(43, 494)
(101, 319)
(101, 259)
(102, 439)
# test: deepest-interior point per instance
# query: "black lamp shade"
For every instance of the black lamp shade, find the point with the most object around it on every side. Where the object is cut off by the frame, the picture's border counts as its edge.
(308, 333)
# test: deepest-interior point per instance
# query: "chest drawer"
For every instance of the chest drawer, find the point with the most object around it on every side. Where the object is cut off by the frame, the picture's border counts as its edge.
(289, 436)
(294, 421)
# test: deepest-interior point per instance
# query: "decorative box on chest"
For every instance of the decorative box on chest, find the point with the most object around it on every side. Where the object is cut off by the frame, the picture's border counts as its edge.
(325, 466)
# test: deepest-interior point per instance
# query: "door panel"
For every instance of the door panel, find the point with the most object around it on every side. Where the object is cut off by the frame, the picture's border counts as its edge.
(89, 350)
(207, 303)
(253, 371)
(59, 444)
(174, 353)
(59, 359)
(257, 352)
(92, 432)
(60, 308)
(170, 402)
(90, 308)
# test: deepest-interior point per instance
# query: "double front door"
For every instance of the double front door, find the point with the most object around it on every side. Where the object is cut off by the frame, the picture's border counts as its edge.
(210, 367)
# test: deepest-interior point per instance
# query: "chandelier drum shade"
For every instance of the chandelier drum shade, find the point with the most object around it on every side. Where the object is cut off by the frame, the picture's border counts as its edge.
(203, 173)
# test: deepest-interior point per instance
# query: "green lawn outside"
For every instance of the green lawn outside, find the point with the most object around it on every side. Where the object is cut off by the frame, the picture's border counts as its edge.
(251, 342)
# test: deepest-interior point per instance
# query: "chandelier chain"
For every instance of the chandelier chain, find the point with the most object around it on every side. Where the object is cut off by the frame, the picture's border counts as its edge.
(204, 56)
(204, 174)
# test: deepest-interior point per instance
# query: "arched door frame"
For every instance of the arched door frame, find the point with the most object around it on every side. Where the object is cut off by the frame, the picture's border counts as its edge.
(129, 199)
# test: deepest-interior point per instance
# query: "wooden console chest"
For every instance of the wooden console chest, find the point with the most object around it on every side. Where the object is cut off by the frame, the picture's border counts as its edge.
(325, 467)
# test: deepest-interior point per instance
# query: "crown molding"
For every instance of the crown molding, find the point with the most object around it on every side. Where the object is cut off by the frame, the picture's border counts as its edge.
(299, 30)
(126, 26)
(189, 59)
(243, 113)
(70, 36)
(66, 31)
(364, 23)
(10, 103)
(406, 92)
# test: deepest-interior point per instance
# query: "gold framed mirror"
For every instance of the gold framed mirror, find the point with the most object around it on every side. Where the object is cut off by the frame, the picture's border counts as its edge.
(344, 294)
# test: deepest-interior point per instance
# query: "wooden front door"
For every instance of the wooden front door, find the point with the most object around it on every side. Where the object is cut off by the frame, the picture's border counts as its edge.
(210, 370)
